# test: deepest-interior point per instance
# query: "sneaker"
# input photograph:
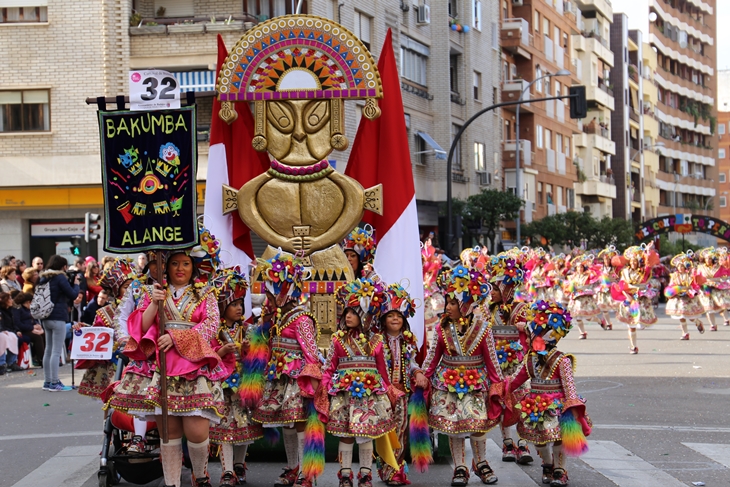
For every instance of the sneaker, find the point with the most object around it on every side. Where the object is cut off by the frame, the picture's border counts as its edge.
(726, 323)
(228, 479)
(345, 477)
(59, 387)
(46, 386)
(604, 325)
(302, 482)
(685, 336)
(713, 327)
(4, 369)
(583, 336)
(560, 478)
(484, 472)
(202, 482)
(240, 470)
(633, 351)
(289, 477)
(461, 476)
(15, 368)
(508, 450)
(364, 477)
(137, 445)
(547, 474)
(522, 455)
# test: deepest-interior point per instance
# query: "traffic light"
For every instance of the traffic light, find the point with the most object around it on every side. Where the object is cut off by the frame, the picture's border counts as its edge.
(578, 104)
(91, 226)
(75, 246)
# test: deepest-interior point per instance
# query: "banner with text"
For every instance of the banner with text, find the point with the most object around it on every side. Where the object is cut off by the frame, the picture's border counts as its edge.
(149, 165)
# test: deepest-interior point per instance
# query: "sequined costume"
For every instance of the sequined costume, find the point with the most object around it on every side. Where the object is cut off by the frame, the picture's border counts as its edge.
(98, 374)
(639, 310)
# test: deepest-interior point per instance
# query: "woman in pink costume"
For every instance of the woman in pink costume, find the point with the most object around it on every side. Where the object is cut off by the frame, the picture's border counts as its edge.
(465, 376)
(683, 293)
(715, 296)
(610, 274)
(580, 290)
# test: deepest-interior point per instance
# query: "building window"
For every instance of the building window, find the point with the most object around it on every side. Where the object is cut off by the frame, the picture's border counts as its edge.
(453, 10)
(722, 177)
(421, 150)
(721, 129)
(11, 15)
(536, 22)
(479, 162)
(457, 150)
(454, 73)
(413, 59)
(477, 85)
(721, 153)
(539, 136)
(363, 28)
(24, 111)
(494, 101)
(723, 201)
(539, 193)
(548, 139)
(478, 15)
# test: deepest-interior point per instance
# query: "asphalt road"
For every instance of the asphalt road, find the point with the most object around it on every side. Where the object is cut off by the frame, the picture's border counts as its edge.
(661, 419)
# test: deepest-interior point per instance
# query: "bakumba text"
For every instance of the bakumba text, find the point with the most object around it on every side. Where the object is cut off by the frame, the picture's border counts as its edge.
(144, 123)
(154, 234)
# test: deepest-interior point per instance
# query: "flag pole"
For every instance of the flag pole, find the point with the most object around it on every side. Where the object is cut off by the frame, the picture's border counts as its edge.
(162, 362)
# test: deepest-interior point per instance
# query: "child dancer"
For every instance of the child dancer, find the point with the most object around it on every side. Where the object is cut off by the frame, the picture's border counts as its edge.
(356, 378)
(715, 296)
(552, 415)
(359, 247)
(465, 376)
(580, 289)
(683, 292)
(293, 371)
(609, 276)
(400, 347)
(236, 430)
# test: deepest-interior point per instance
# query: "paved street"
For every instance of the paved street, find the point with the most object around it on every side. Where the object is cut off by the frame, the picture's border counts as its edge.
(660, 420)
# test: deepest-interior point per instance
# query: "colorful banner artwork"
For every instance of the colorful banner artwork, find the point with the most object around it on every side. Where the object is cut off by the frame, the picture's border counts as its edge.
(149, 164)
(683, 223)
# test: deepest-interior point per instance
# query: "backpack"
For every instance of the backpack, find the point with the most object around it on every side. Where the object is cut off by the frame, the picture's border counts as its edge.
(42, 306)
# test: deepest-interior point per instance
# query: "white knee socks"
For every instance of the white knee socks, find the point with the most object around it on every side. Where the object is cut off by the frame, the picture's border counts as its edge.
(479, 447)
(300, 448)
(227, 457)
(506, 432)
(558, 455)
(345, 450)
(291, 446)
(140, 427)
(683, 324)
(239, 454)
(545, 452)
(199, 458)
(632, 337)
(366, 454)
(581, 327)
(171, 456)
(457, 451)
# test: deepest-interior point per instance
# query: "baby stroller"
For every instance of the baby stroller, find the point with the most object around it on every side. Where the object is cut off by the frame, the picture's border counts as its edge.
(115, 462)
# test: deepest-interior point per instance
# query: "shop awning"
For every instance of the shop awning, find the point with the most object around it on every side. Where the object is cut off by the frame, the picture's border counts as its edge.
(438, 150)
(195, 80)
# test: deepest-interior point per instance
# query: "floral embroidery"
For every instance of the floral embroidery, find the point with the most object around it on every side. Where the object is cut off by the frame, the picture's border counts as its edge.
(509, 353)
(461, 380)
(534, 408)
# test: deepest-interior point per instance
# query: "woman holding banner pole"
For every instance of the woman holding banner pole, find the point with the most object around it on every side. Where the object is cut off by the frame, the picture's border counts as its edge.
(193, 369)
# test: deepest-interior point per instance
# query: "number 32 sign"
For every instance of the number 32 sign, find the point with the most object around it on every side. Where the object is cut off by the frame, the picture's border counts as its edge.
(153, 89)
(93, 343)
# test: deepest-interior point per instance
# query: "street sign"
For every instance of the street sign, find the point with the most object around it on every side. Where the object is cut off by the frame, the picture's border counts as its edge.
(92, 343)
(153, 89)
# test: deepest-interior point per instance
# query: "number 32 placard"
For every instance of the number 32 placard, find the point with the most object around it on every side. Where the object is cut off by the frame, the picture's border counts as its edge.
(153, 89)
(92, 342)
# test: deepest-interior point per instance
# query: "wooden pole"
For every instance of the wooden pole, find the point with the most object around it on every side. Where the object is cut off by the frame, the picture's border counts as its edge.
(162, 363)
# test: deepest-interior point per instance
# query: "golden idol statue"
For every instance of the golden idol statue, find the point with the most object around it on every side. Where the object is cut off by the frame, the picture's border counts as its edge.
(298, 70)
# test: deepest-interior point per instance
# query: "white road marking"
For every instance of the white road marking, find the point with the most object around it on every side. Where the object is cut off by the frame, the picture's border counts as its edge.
(658, 427)
(717, 452)
(100, 434)
(624, 468)
(71, 467)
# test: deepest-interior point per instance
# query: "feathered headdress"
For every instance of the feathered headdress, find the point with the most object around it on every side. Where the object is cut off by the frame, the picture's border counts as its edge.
(469, 286)
(361, 241)
(117, 274)
(283, 274)
(685, 259)
(229, 285)
(548, 323)
(365, 297)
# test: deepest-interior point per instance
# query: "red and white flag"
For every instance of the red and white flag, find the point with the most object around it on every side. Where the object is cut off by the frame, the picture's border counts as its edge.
(231, 161)
(380, 155)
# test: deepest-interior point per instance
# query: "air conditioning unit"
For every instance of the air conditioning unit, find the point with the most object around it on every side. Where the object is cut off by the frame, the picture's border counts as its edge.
(423, 14)
(518, 3)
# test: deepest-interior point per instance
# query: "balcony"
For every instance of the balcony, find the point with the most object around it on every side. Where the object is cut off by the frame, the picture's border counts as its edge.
(552, 210)
(634, 115)
(511, 91)
(526, 154)
(516, 38)
(603, 187)
(602, 6)
(599, 47)
(561, 163)
(550, 160)
(193, 25)
(595, 140)
(601, 94)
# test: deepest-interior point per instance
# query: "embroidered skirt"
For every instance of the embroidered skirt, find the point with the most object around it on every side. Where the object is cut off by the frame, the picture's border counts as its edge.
(684, 307)
(282, 403)
(236, 426)
(130, 395)
(584, 307)
(453, 416)
(369, 416)
(716, 300)
(644, 317)
(96, 379)
(199, 397)
(605, 302)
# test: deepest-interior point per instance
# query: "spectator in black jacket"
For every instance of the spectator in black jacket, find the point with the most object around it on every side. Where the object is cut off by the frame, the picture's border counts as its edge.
(62, 293)
(32, 331)
(99, 302)
(7, 325)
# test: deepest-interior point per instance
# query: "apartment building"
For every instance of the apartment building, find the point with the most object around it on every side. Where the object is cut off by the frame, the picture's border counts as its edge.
(537, 61)
(626, 123)
(596, 186)
(651, 132)
(723, 164)
(448, 52)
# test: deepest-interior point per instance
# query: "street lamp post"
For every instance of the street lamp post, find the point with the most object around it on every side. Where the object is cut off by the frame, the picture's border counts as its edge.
(518, 182)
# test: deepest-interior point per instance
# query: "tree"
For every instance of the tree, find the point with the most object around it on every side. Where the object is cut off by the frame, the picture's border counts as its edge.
(574, 226)
(486, 209)
(613, 231)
